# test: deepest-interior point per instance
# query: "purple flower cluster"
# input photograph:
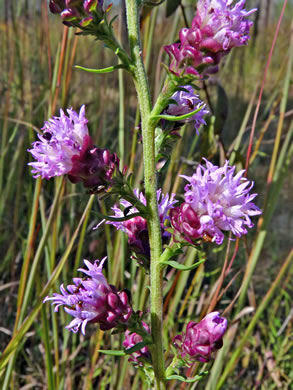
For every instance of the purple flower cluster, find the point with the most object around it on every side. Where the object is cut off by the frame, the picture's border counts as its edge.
(131, 339)
(75, 10)
(65, 147)
(217, 27)
(93, 300)
(202, 338)
(136, 228)
(221, 200)
(187, 101)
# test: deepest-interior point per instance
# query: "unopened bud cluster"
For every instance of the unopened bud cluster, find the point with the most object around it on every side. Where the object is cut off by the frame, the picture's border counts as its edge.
(75, 12)
(201, 339)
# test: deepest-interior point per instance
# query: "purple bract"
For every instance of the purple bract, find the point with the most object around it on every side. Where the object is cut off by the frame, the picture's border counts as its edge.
(202, 338)
(136, 228)
(217, 27)
(65, 147)
(187, 101)
(185, 222)
(92, 299)
(131, 339)
(221, 200)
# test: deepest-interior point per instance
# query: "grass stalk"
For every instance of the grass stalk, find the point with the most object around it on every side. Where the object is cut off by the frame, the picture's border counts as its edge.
(266, 300)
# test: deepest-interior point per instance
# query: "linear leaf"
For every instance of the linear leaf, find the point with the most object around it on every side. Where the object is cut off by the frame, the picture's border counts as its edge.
(182, 267)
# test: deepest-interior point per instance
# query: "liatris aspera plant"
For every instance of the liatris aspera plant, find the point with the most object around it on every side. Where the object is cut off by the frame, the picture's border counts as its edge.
(216, 200)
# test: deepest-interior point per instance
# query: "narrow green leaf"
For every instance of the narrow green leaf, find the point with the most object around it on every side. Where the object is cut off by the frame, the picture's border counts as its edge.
(135, 348)
(111, 352)
(119, 219)
(183, 379)
(104, 70)
(182, 267)
(174, 118)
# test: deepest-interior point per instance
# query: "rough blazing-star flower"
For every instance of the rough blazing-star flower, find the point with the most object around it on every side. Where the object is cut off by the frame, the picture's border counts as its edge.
(217, 27)
(187, 101)
(131, 339)
(136, 228)
(65, 147)
(202, 338)
(92, 299)
(221, 200)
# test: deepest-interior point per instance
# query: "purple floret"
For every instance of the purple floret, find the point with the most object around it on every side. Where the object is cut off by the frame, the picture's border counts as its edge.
(65, 147)
(61, 139)
(136, 228)
(222, 25)
(187, 101)
(222, 201)
(92, 299)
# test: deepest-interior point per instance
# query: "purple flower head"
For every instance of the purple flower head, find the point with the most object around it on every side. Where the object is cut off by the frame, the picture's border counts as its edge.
(131, 339)
(185, 222)
(187, 101)
(221, 200)
(202, 338)
(221, 25)
(92, 299)
(216, 28)
(136, 228)
(65, 147)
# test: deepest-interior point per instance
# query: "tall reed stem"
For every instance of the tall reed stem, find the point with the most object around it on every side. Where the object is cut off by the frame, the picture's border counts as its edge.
(150, 183)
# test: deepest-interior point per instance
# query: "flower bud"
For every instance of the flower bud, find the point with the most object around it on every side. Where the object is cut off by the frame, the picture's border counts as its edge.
(131, 339)
(202, 338)
(185, 222)
(76, 12)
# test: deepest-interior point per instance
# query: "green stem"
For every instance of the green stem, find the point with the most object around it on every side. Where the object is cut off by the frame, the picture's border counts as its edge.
(150, 183)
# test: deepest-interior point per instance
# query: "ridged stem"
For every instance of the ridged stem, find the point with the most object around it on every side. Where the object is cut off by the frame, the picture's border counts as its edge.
(150, 183)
